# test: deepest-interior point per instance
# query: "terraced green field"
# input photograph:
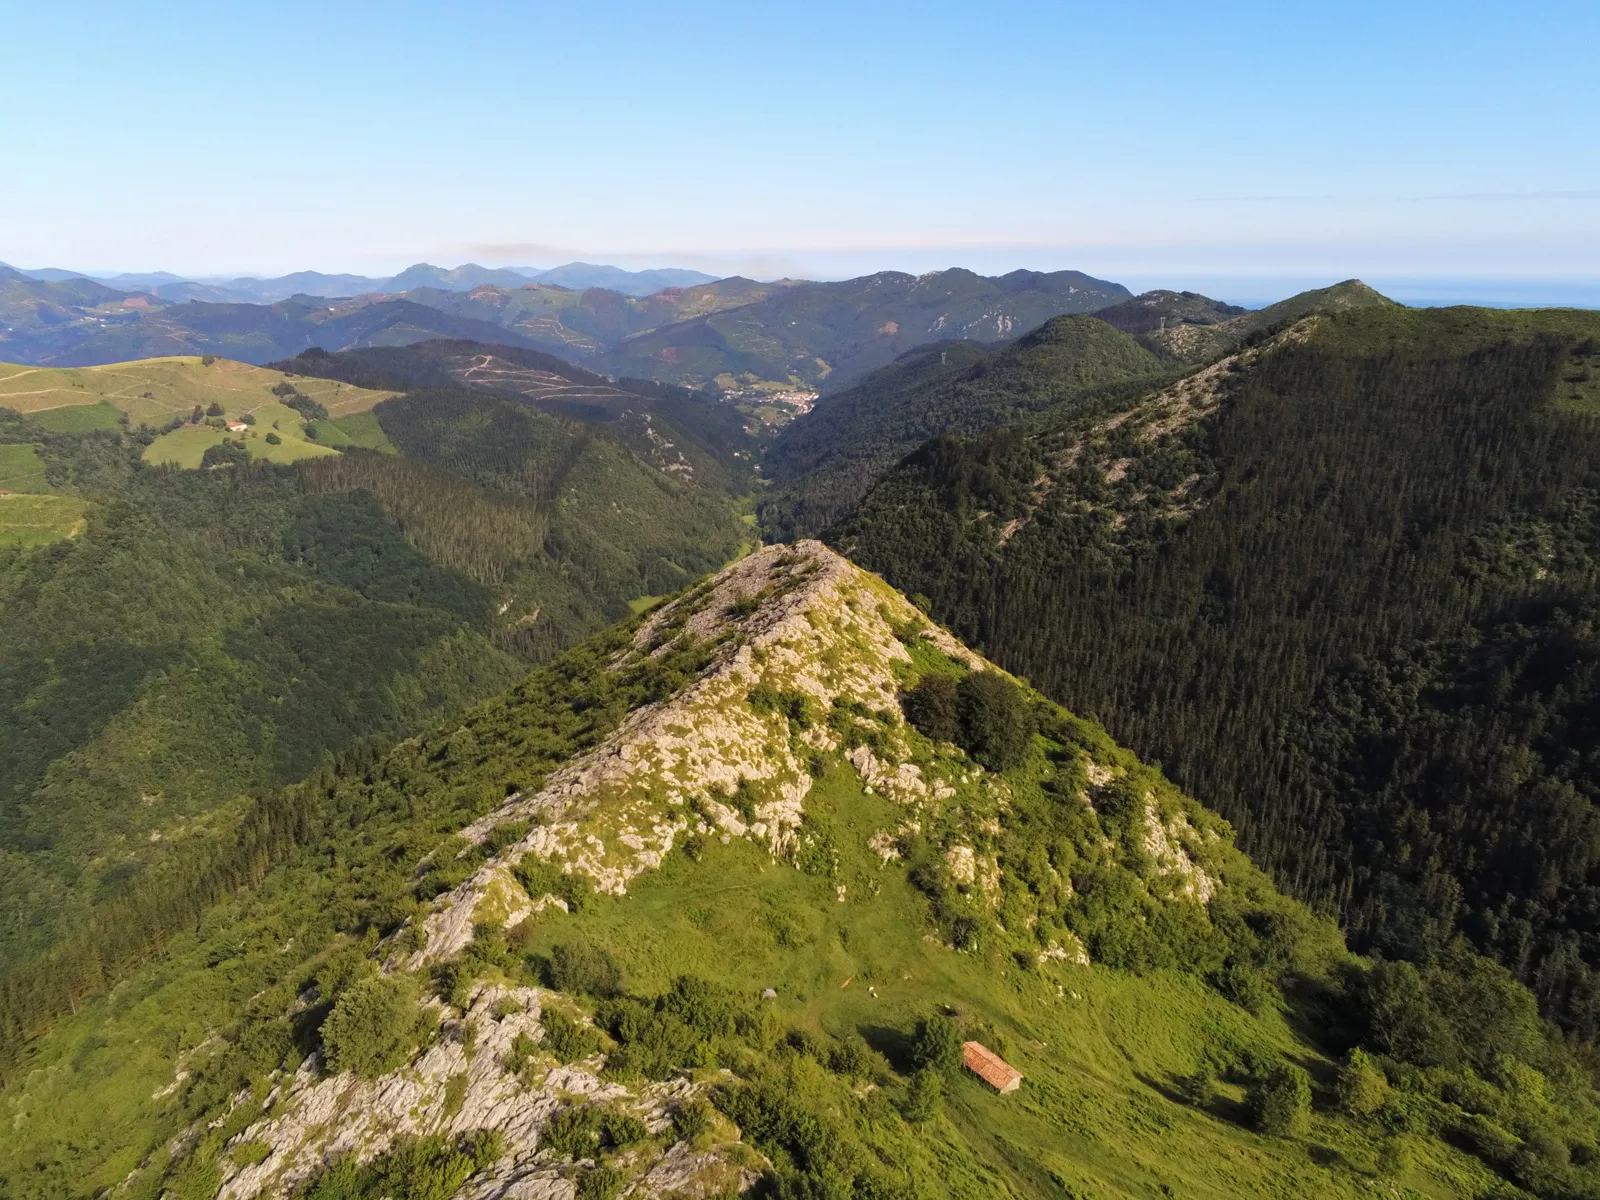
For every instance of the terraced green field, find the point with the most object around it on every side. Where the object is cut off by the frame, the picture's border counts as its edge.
(35, 520)
(21, 470)
(151, 391)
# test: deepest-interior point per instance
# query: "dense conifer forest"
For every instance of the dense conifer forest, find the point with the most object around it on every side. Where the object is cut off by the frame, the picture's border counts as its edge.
(1352, 604)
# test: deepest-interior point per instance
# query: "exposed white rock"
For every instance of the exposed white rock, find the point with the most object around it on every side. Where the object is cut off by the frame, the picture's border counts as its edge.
(823, 628)
(1068, 949)
(961, 863)
(328, 1116)
(1164, 842)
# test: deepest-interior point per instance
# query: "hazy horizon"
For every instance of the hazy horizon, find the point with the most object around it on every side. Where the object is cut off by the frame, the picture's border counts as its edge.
(1386, 142)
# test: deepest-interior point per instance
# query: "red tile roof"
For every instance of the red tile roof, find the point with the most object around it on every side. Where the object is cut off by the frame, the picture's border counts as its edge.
(990, 1067)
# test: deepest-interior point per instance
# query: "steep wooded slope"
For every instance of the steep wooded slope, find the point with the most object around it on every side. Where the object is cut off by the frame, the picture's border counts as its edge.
(825, 461)
(1343, 585)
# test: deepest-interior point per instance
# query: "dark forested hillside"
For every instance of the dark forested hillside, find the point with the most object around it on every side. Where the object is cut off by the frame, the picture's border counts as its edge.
(825, 461)
(209, 634)
(1344, 586)
(611, 527)
(690, 435)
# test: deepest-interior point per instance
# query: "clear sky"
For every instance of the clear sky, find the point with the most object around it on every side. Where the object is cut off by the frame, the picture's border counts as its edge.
(1152, 141)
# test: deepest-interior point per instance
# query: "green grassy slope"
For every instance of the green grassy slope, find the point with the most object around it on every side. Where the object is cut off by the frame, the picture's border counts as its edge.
(151, 391)
(1137, 1069)
(826, 460)
(1346, 591)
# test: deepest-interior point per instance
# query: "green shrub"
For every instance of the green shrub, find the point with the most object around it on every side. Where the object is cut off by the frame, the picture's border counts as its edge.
(693, 1118)
(931, 707)
(507, 833)
(251, 1153)
(455, 1094)
(924, 1097)
(937, 1045)
(273, 439)
(375, 1026)
(579, 968)
(523, 1051)
(651, 1043)
(1360, 1087)
(224, 454)
(1280, 1101)
(1401, 1018)
(796, 706)
(1199, 1089)
(584, 1130)
(994, 723)
(1245, 986)
(854, 1059)
(1543, 1164)
(425, 1168)
(600, 1183)
(569, 1040)
(708, 1009)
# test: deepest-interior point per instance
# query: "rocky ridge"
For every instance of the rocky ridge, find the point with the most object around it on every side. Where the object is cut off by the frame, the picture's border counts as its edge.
(785, 627)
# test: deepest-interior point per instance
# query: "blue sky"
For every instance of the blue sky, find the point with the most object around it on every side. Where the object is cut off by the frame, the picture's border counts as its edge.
(1151, 142)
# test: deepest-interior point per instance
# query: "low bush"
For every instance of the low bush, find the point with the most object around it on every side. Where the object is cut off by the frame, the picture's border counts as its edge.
(579, 968)
(568, 1039)
(1280, 1101)
(374, 1026)
(994, 723)
(937, 1045)
(1360, 1087)
(924, 1097)
(693, 1117)
(931, 707)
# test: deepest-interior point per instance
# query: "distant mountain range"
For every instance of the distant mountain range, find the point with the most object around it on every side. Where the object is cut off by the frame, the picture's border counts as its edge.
(253, 290)
(732, 334)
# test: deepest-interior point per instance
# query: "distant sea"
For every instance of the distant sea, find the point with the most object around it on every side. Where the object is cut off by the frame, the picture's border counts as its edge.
(1258, 291)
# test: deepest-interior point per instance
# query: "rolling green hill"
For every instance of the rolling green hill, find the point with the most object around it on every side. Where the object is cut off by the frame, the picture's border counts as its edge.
(731, 334)
(1344, 586)
(825, 461)
(697, 907)
(183, 407)
(153, 390)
